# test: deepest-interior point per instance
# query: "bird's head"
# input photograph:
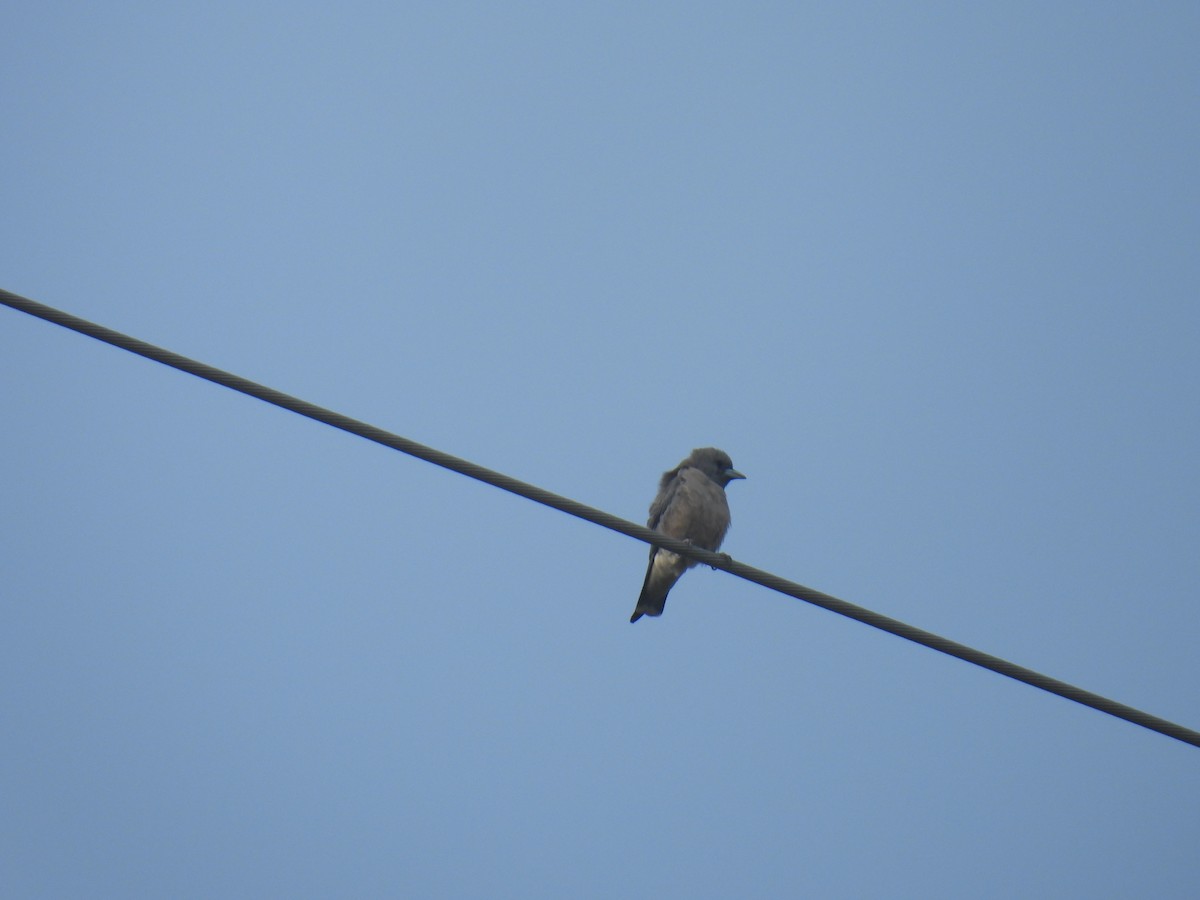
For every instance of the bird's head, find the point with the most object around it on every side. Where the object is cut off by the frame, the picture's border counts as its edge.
(714, 463)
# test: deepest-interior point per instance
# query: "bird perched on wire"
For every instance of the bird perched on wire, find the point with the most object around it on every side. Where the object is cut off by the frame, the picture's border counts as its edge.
(690, 506)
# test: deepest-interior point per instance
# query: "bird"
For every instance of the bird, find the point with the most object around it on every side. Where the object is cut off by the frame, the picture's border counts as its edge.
(690, 506)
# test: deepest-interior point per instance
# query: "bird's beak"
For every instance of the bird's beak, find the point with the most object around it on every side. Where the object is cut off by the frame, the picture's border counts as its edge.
(733, 473)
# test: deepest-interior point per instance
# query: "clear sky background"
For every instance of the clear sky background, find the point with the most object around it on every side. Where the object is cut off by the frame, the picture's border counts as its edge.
(929, 273)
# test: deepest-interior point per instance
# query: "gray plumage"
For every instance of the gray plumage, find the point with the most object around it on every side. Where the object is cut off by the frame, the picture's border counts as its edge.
(690, 506)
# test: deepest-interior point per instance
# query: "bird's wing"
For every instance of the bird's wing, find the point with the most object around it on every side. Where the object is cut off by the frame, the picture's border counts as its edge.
(667, 489)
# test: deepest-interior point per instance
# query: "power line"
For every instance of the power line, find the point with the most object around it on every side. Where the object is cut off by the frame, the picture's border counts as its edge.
(599, 517)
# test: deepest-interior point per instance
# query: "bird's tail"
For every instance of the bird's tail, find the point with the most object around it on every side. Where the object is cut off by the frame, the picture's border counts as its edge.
(645, 611)
(648, 609)
(661, 575)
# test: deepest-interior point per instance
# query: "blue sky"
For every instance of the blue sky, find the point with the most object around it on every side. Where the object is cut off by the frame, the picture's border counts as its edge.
(929, 274)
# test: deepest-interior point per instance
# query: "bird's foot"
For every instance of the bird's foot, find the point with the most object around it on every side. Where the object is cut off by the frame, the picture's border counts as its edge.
(726, 562)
